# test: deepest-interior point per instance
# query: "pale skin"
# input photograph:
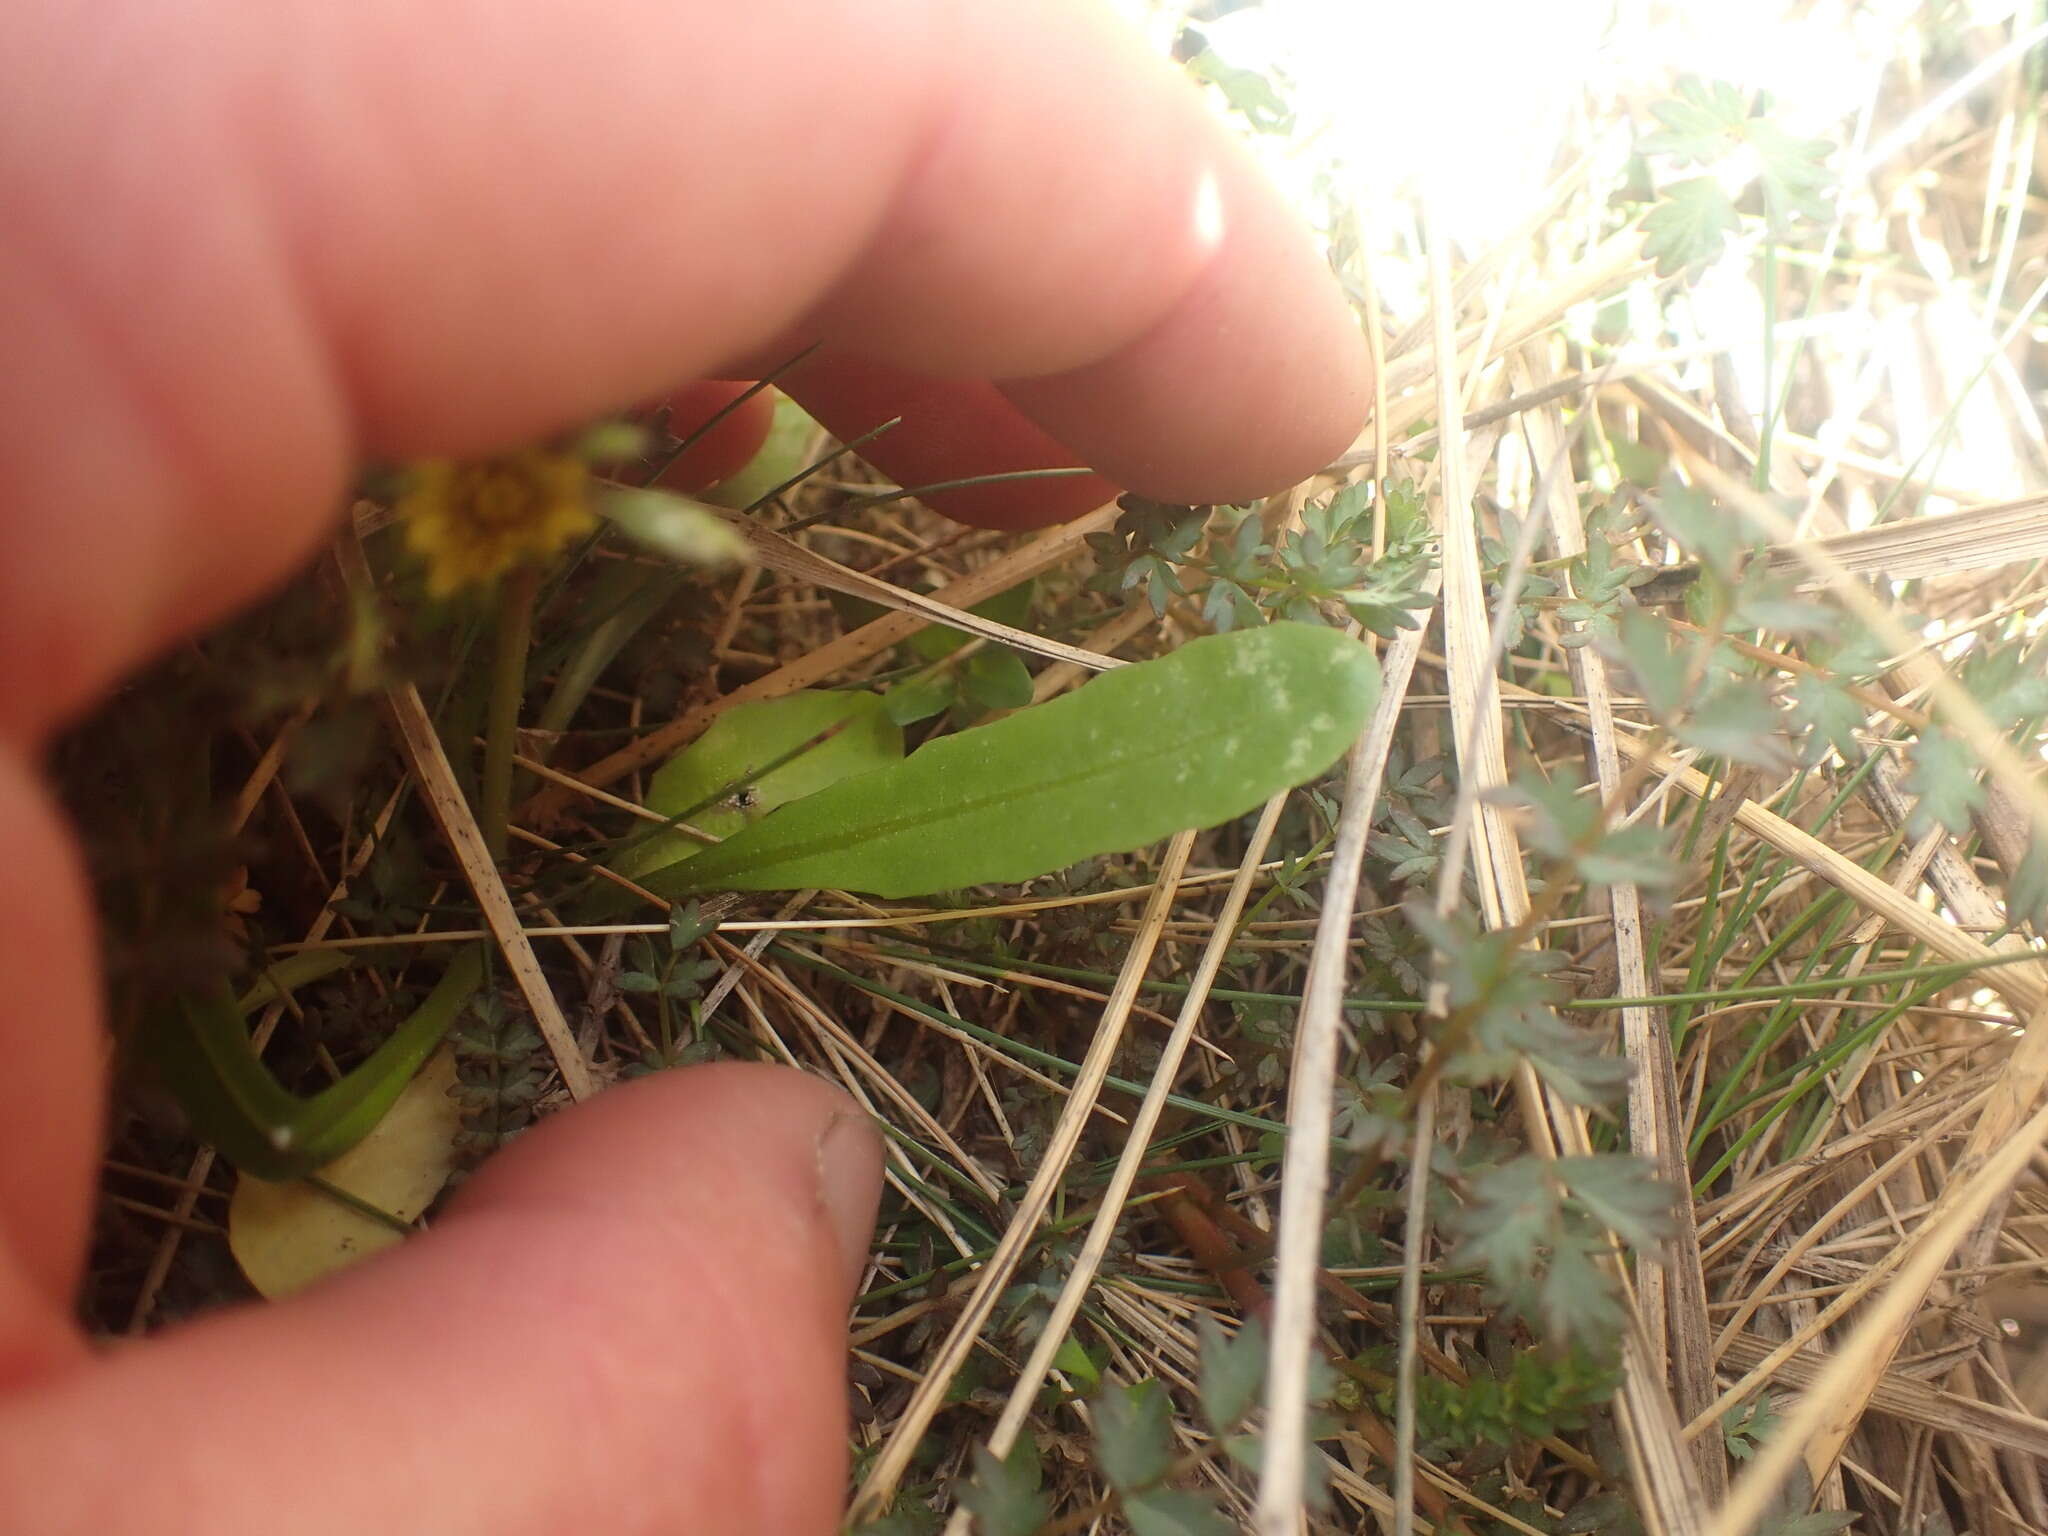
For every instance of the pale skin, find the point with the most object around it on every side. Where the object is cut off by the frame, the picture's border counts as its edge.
(246, 246)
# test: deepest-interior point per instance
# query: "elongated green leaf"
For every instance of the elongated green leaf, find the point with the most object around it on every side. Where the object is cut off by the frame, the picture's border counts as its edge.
(283, 977)
(732, 760)
(200, 1047)
(1140, 753)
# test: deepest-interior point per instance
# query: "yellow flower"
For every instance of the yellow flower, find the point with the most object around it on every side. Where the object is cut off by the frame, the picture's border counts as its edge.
(474, 521)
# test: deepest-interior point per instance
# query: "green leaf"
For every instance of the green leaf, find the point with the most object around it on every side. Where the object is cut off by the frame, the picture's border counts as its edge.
(1737, 720)
(908, 703)
(757, 756)
(1794, 178)
(199, 1046)
(1074, 1361)
(2009, 682)
(1701, 123)
(1004, 1496)
(1227, 606)
(2027, 893)
(1824, 715)
(1512, 996)
(1712, 124)
(1702, 526)
(1621, 1193)
(687, 924)
(1012, 606)
(1944, 776)
(1231, 1372)
(1638, 854)
(1660, 668)
(1689, 227)
(1772, 602)
(1510, 1218)
(1133, 1435)
(996, 678)
(286, 974)
(1569, 1061)
(1566, 827)
(1748, 1426)
(1140, 753)
(1642, 463)
(1576, 1300)
(1174, 1512)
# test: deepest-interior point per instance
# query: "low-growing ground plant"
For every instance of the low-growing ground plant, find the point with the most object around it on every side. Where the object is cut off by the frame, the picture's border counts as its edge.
(1492, 993)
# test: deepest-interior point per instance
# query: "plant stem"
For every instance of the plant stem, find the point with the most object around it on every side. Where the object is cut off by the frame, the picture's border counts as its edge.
(508, 691)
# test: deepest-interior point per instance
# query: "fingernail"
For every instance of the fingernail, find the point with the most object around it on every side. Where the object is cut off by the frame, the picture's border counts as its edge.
(849, 1155)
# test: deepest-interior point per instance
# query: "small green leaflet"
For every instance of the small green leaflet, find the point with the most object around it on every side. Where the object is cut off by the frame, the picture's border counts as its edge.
(1621, 1193)
(1140, 753)
(1689, 227)
(1746, 1427)
(1133, 1435)
(1232, 1370)
(1004, 1496)
(1944, 776)
(996, 678)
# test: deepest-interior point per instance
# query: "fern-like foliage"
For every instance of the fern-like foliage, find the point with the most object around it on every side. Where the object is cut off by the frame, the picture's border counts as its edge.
(499, 1072)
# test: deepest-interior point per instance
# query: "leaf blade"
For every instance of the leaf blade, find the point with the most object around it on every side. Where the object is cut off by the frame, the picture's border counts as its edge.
(1139, 754)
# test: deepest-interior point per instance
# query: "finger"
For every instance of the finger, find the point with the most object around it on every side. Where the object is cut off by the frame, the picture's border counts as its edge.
(947, 429)
(634, 1320)
(720, 446)
(1218, 400)
(290, 235)
(53, 1112)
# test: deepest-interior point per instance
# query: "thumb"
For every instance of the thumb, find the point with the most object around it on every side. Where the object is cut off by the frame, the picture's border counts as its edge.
(633, 1320)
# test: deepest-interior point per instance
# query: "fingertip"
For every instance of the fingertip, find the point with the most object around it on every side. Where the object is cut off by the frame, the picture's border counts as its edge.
(50, 1026)
(633, 1319)
(848, 1159)
(719, 445)
(950, 429)
(730, 1151)
(1059, 204)
(1254, 380)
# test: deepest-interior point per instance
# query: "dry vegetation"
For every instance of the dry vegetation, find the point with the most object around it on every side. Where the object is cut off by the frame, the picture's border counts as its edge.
(1844, 1311)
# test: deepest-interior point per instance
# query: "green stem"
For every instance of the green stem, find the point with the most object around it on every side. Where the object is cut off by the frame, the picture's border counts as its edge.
(628, 600)
(349, 1200)
(508, 691)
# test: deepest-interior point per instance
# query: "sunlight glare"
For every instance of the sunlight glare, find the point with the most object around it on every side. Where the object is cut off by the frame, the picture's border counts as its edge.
(1481, 96)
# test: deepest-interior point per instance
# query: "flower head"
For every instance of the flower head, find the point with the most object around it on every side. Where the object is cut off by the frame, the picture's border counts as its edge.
(471, 522)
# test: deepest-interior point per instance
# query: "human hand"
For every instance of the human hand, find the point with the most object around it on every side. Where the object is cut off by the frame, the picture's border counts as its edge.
(246, 246)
